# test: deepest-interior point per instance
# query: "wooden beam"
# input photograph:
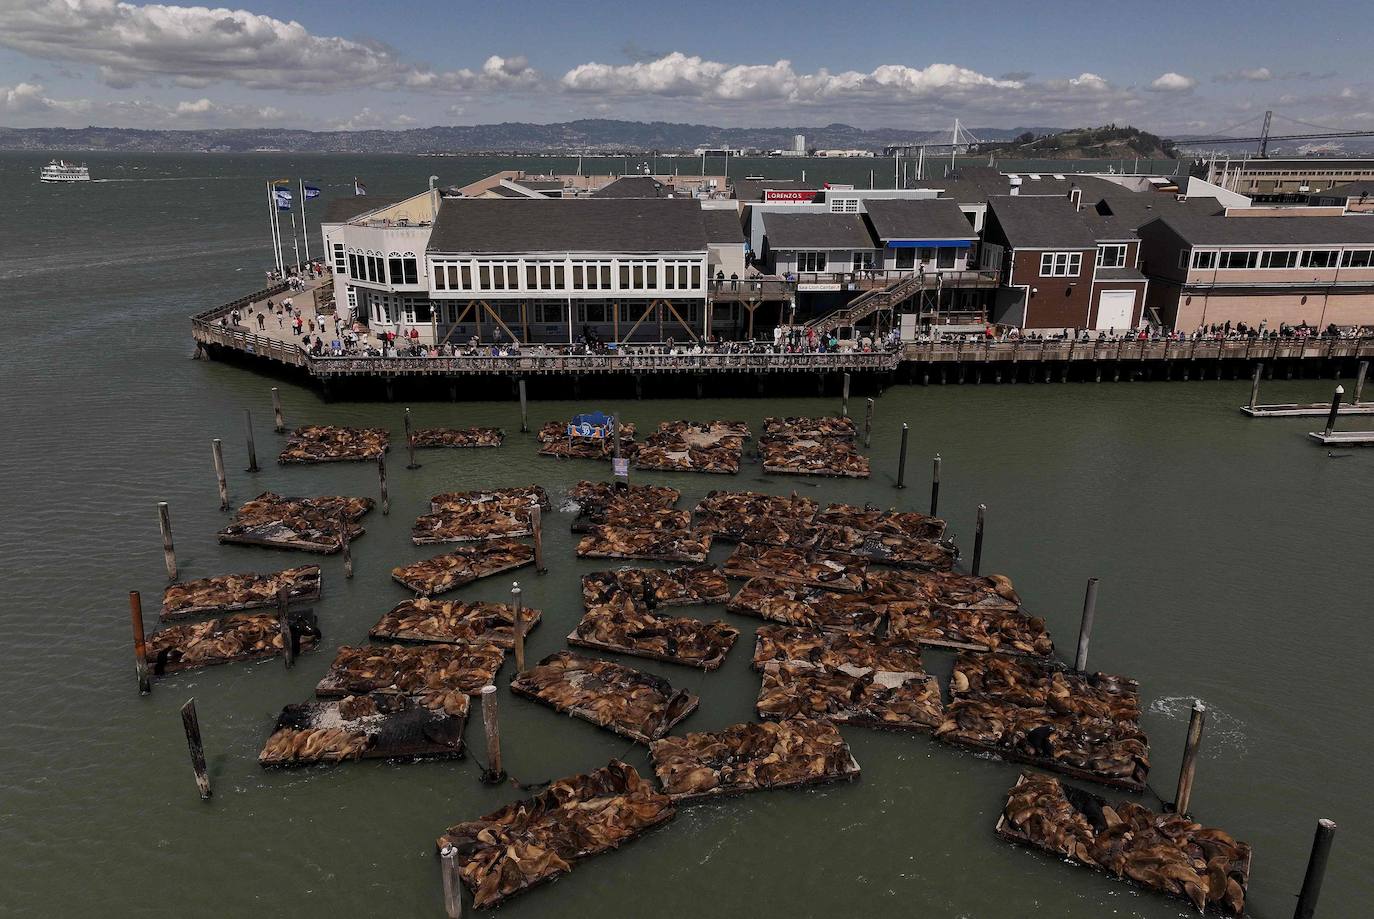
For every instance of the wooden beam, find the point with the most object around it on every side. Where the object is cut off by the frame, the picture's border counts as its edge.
(629, 334)
(496, 318)
(525, 319)
(615, 321)
(680, 320)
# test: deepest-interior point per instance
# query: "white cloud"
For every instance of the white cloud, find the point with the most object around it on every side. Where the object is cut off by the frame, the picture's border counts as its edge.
(1172, 83)
(1246, 75)
(1089, 81)
(194, 46)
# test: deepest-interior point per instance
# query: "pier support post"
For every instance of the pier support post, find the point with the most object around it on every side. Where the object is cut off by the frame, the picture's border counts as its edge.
(410, 442)
(978, 538)
(169, 554)
(1085, 626)
(639, 386)
(1184, 796)
(901, 458)
(191, 723)
(145, 683)
(381, 482)
(252, 448)
(868, 424)
(347, 545)
(518, 626)
(453, 892)
(278, 422)
(1359, 381)
(1254, 385)
(1335, 408)
(537, 528)
(217, 450)
(524, 409)
(844, 397)
(492, 729)
(1316, 870)
(288, 638)
(935, 487)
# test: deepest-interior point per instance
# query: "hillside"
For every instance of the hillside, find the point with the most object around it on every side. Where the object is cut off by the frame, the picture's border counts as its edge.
(1106, 142)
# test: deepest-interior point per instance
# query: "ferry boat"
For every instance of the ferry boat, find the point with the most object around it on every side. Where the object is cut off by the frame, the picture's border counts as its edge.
(63, 171)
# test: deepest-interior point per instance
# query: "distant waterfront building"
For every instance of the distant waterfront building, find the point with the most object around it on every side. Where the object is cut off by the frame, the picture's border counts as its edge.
(1287, 178)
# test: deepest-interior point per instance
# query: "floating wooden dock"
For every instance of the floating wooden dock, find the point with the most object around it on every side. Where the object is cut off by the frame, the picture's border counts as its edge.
(1308, 409)
(1343, 438)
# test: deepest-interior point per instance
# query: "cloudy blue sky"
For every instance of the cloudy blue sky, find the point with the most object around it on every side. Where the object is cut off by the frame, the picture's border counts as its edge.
(1167, 66)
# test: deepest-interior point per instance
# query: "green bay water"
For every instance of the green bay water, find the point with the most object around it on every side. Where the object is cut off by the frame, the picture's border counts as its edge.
(1234, 558)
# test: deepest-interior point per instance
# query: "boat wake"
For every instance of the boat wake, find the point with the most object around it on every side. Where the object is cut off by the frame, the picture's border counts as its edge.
(1223, 730)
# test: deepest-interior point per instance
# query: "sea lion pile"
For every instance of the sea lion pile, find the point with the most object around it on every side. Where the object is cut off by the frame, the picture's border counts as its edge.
(518, 496)
(453, 622)
(237, 637)
(626, 514)
(305, 524)
(323, 443)
(640, 706)
(831, 649)
(440, 677)
(378, 725)
(655, 587)
(962, 591)
(895, 523)
(1007, 630)
(654, 545)
(690, 446)
(463, 566)
(529, 842)
(813, 456)
(1167, 853)
(626, 626)
(230, 592)
(811, 607)
(728, 515)
(1019, 681)
(884, 548)
(816, 569)
(458, 437)
(836, 427)
(901, 701)
(589, 494)
(554, 441)
(752, 757)
(472, 523)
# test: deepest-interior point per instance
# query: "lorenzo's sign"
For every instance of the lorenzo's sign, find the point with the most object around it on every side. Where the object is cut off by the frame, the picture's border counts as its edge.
(790, 194)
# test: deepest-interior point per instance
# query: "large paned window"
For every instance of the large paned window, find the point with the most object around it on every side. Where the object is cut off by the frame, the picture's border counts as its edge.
(1060, 264)
(810, 261)
(1111, 256)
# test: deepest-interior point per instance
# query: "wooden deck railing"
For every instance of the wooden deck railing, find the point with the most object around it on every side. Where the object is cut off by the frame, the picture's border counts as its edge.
(1130, 350)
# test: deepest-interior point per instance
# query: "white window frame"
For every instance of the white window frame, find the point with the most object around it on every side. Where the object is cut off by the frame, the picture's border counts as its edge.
(811, 261)
(1061, 264)
(1118, 260)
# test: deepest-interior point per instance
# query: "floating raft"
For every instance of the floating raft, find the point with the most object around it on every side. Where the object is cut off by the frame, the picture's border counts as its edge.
(323, 443)
(640, 706)
(463, 566)
(302, 524)
(688, 446)
(807, 456)
(795, 604)
(374, 726)
(950, 589)
(439, 677)
(624, 625)
(226, 640)
(1166, 853)
(627, 515)
(1004, 630)
(1019, 681)
(815, 569)
(728, 515)
(865, 697)
(885, 548)
(425, 438)
(231, 592)
(896, 523)
(1343, 438)
(834, 427)
(1306, 409)
(453, 622)
(752, 757)
(654, 545)
(781, 532)
(776, 643)
(472, 523)
(530, 842)
(518, 496)
(554, 441)
(589, 494)
(655, 587)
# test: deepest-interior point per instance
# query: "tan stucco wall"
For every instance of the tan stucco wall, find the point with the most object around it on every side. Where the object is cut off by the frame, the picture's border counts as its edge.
(1274, 309)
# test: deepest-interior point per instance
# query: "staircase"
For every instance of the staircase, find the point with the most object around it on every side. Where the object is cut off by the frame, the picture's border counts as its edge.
(866, 304)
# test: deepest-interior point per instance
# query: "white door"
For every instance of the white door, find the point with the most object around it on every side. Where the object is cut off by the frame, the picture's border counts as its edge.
(1114, 310)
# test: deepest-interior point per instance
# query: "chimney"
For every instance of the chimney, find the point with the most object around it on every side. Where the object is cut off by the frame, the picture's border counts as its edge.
(1076, 196)
(1016, 185)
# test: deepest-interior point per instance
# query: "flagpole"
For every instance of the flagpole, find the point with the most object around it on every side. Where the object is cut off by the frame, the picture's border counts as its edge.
(272, 225)
(294, 244)
(305, 230)
(276, 216)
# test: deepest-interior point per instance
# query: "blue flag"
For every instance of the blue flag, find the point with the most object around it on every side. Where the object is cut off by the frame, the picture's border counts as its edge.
(311, 192)
(283, 199)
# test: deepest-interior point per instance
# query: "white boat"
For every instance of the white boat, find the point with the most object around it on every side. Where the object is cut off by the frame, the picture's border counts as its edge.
(63, 171)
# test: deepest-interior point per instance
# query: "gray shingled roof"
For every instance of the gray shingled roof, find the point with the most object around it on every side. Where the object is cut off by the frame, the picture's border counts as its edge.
(568, 225)
(976, 184)
(1348, 190)
(1119, 274)
(1041, 223)
(632, 187)
(817, 231)
(342, 210)
(930, 218)
(1199, 230)
(723, 226)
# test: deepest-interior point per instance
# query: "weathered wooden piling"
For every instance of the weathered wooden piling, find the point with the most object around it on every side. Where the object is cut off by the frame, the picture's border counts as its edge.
(492, 730)
(1085, 626)
(252, 448)
(169, 554)
(410, 442)
(518, 626)
(1335, 408)
(217, 450)
(1316, 870)
(537, 528)
(381, 482)
(145, 683)
(347, 545)
(288, 643)
(868, 424)
(935, 487)
(978, 538)
(901, 458)
(1360, 376)
(191, 723)
(1184, 796)
(844, 397)
(278, 422)
(1254, 385)
(453, 891)
(524, 409)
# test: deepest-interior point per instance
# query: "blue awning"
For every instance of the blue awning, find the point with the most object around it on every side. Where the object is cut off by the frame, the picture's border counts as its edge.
(929, 243)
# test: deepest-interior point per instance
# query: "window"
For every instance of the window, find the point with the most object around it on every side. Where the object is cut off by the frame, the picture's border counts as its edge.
(862, 261)
(1204, 260)
(844, 206)
(393, 264)
(340, 266)
(624, 276)
(1319, 258)
(498, 276)
(1060, 264)
(410, 269)
(545, 277)
(1111, 256)
(467, 277)
(651, 276)
(639, 276)
(1357, 258)
(606, 276)
(696, 276)
(906, 259)
(594, 311)
(441, 277)
(352, 265)
(531, 277)
(577, 277)
(549, 313)
(810, 261)
(1279, 259)
(1235, 260)
(925, 254)
(484, 277)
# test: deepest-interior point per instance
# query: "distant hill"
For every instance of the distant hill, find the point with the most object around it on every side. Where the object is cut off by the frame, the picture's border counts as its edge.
(1106, 142)
(584, 136)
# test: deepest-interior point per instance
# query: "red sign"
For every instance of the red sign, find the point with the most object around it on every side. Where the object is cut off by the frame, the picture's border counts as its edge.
(790, 194)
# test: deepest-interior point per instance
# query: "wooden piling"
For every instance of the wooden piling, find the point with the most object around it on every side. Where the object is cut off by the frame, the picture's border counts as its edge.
(169, 554)
(494, 771)
(524, 409)
(868, 424)
(381, 482)
(901, 458)
(1184, 796)
(278, 422)
(1316, 870)
(191, 723)
(518, 628)
(537, 526)
(217, 450)
(145, 683)
(1085, 626)
(1254, 385)
(453, 892)
(978, 538)
(1359, 381)
(410, 442)
(844, 397)
(347, 545)
(288, 642)
(935, 487)
(1335, 408)
(252, 448)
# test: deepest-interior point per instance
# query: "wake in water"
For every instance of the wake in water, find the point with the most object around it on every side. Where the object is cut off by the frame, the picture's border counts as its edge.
(1223, 731)
(178, 179)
